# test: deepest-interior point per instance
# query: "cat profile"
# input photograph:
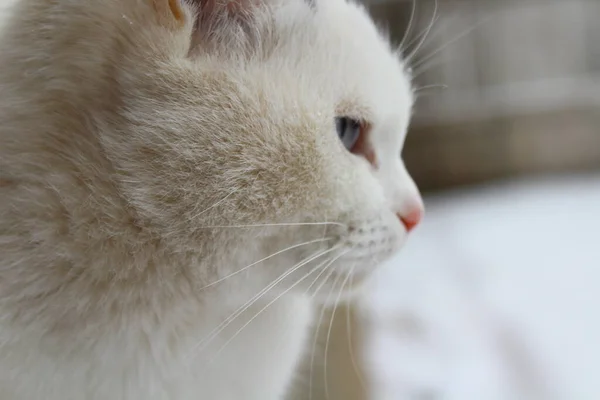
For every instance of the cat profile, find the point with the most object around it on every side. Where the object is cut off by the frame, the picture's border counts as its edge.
(180, 181)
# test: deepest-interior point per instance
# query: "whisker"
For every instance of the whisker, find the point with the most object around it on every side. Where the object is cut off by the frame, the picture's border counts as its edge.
(410, 26)
(224, 198)
(421, 38)
(216, 331)
(325, 226)
(427, 87)
(424, 60)
(427, 67)
(314, 345)
(331, 273)
(316, 335)
(349, 334)
(274, 225)
(424, 38)
(318, 276)
(214, 205)
(267, 306)
(321, 273)
(337, 301)
(314, 349)
(264, 259)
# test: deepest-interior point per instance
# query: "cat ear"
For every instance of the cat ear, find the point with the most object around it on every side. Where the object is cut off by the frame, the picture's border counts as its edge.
(224, 23)
(171, 13)
(175, 12)
(210, 25)
(208, 7)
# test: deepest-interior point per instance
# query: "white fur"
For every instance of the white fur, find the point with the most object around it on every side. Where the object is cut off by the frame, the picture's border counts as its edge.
(131, 150)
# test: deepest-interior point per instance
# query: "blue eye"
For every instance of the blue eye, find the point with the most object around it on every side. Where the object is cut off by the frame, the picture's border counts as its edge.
(348, 130)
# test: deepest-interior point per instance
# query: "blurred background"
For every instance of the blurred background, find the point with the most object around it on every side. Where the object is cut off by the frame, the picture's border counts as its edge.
(497, 293)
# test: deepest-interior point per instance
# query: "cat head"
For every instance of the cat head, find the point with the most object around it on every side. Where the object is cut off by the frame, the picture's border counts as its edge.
(239, 128)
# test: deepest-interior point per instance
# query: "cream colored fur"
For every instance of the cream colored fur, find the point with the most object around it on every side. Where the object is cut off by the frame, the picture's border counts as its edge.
(132, 149)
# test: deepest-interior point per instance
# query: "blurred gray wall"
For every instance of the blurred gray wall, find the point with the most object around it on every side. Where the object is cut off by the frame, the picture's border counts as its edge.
(523, 92)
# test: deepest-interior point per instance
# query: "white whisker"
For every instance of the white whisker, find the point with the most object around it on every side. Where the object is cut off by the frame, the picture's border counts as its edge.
(264, 259)
(410, 26)
(425, 35)
(329, 275)
(314, 345)
(417, 67)
(223, 199)
(316, 335)
(337, 301)
(427, 67)
(273, 225)
(215, 332)
(325, 227)
(427, 87)
(421, 38)
(267, 306)
(214, 205)
(319, 275)
(349, 334)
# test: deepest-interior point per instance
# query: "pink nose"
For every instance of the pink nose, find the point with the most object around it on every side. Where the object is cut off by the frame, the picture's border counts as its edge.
(412, 218)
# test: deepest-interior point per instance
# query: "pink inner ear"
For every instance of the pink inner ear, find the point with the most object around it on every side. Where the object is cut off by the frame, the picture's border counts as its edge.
(213, 14)
(176, 10)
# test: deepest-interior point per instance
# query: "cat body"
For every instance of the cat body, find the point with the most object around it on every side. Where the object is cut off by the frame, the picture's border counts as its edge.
(173, 194)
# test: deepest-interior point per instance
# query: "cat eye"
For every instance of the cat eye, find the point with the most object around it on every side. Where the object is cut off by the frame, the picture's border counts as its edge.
(348, 130)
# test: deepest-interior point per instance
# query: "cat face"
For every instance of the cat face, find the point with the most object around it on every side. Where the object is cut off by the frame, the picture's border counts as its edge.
(260, 130)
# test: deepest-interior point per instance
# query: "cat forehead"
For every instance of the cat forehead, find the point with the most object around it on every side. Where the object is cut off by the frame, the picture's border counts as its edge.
(355, 62)
(331, 48)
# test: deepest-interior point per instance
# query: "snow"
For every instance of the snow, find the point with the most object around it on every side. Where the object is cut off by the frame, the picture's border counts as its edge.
(496, 296)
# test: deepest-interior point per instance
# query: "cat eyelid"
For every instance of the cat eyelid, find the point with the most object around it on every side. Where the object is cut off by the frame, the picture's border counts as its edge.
(365, 144)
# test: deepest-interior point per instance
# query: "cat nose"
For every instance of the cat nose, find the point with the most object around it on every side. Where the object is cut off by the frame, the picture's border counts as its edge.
(412, 217)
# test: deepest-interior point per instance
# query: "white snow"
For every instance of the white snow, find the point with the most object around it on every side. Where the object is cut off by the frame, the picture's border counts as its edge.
(496, 296)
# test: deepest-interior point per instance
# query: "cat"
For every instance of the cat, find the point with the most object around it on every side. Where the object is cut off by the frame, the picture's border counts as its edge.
(181, 182)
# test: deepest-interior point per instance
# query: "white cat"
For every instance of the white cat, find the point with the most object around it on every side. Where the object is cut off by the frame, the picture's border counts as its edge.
(179, 180)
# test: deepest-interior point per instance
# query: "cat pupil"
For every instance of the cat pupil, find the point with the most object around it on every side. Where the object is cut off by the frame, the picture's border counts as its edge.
(348, 130)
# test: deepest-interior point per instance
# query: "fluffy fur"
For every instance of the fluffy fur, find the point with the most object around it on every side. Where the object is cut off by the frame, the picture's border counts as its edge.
(151, 153)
